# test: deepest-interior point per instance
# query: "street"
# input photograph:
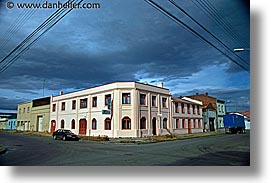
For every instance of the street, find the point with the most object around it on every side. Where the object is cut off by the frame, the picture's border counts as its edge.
(220, 150)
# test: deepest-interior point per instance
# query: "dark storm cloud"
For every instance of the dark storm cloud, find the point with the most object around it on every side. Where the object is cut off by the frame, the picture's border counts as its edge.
(9, 103)
(120, 42)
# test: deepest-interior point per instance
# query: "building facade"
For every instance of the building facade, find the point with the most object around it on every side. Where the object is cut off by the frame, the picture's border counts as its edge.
(24, 116)
(12, 122)
(221, 110)
(40, 115)
(186, 116)
(120, 109)
(209, 109)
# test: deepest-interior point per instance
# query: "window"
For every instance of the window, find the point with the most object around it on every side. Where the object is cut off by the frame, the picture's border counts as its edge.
(126, 123)
(164, 102)
(24, 110)
(165, 123)
(143, 123)
(107, 124)
(73, 124)
(188, 108)
(154, 101)
(63, 106)
(62, 123)
(83, 103)
(54, 108)
(94, 124)
(182, 108)
(176, 107)
(126, 98)
(177, 123)
(142, 99)
(73, 104)
(108, 100)
(28, 110)
(94, 101)
(194, 111)
(199, 123)
(195, 124)
(198, 110)
(183, 123)
(19, 111)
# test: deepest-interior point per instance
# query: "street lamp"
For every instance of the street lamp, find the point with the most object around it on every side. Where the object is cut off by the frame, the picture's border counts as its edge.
(241, 49)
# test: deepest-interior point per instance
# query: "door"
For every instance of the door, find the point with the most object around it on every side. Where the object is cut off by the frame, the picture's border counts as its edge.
(154, 121)
(82, 126)
(211, 124)
(189, 126)
(40, 123)
(53, 124)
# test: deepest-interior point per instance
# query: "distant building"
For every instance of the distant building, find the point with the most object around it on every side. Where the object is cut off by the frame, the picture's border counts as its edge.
(12, 122)
(220, 113)
(34, 115)
(120, 109)
(24, 116)
(209, 109)
(186, 116)
(40, 115)
(246, 115)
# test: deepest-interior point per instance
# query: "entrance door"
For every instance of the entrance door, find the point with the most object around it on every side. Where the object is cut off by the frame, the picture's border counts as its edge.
(211, 124)
(154, 121)
(53, 124)
(82, 126)
(189, 126)
(40, 123)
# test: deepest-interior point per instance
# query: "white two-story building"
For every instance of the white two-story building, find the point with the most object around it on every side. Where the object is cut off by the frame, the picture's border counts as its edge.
(120, 109)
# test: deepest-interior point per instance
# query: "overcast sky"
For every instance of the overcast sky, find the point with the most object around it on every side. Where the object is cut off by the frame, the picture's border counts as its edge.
(127, 41)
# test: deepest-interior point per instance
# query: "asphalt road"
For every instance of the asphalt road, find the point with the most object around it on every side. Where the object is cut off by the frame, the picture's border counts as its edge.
(221, 150)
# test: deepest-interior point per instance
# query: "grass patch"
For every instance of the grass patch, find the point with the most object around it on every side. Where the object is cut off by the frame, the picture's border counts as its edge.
(95, 138)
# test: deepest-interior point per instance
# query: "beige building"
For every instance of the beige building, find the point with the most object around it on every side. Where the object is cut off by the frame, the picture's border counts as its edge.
(186, 116)
(40, 115)
(120, 109)
(24, 116)
(34, 115)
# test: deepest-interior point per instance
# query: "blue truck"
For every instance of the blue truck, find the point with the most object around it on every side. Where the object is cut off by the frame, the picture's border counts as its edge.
(234, 123)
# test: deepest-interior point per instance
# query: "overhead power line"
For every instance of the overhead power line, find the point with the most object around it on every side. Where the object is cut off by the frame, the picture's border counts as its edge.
(205, 29)
(18, 51)
(210, 10)
(22, 18)
(185, 26)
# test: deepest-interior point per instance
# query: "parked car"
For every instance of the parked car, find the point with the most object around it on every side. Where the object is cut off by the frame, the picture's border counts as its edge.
(65, 135)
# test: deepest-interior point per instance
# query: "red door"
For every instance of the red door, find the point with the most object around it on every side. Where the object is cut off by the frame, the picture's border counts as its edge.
(82, 126)
(189, 126)
(53, 124)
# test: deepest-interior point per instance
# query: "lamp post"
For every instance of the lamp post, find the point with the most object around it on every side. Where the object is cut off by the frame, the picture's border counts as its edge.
(241, 49)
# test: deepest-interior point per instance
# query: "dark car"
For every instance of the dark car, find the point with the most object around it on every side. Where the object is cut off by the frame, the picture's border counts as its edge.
(64, 135)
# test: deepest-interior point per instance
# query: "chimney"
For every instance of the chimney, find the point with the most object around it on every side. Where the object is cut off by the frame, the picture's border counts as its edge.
(61, 93)
(206, 94)
(160, 84)
(197, 94)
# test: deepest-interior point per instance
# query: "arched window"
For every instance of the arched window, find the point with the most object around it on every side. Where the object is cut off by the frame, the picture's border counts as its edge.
(165, 123)
(107, 124)
(73, 124)
(94, 124)
(143, 123)
(126, 123)
(62, 123)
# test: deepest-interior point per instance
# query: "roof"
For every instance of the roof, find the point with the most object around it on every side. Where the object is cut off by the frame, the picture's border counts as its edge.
(114, 83)
(184, 101)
